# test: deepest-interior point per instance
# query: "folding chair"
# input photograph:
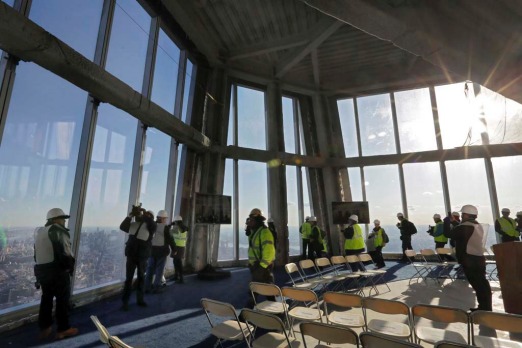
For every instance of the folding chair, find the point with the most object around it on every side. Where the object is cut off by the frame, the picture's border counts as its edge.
(511, 323)
(375, 340)
(230, 330)
(440, 314)
(345, 271)
(432, 260)
(311, 274)
(421, 269)
(296, 278)
(339, 309)
(102, 330)
(367, 278)
(323, 265)
(397, 329)
(448, 344)
(493, 266)
(379, 273)
(443, 253)
(308, 298)
(328, 333)
(268, 322)
(115, 342)
(272, 307)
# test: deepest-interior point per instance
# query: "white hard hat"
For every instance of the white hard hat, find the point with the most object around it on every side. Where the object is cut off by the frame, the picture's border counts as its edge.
(469, 209)
(178, 218)
(163, 214)
(436, 216)
(400, 215)
(505, 210)
(56, 213)
(354, 218)
(455, 213)
(377, 222)
(257, 213)
(312, 218)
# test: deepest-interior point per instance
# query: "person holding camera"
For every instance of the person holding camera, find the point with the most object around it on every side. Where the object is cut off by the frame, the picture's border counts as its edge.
(162, 245)
(53, 270)
(179, 233)
(137, 251)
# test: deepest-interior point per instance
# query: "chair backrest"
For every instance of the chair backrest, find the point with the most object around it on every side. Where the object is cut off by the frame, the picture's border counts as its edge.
(338, 260)
(386, 306)
(328, 333)
(307, 265)
(342, 299)
(115, 342)
(263, 320)
(302, 295)
(352, 259)
(293, 272)
(410, 253)
(375, 340)
(104, 333)
(365, 258)
(265, 289)
(498, 321)
(440, 313)
(221, 309)
(448, 344)
(322, 262)
(443, 251)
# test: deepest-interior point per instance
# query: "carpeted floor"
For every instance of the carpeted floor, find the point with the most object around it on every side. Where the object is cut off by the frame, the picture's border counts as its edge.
(173, 318)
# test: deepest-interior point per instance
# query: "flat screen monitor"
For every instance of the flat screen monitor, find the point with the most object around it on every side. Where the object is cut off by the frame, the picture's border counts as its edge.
(341, 211)
(213, 209)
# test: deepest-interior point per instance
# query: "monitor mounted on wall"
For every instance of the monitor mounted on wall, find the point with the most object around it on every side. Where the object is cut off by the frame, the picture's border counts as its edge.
(341, 211)
(213, 209)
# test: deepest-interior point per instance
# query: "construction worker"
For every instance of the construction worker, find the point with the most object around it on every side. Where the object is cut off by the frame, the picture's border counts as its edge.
(137, 251)
(306, 230)
(162, 245)
(53, 270)
(316, 239)
(507, 227)
(377, 239)
(261, 250)
(519, 221)
(354, 241)
(437, 232)
(407, 229)
(180, 233)
(468, 237)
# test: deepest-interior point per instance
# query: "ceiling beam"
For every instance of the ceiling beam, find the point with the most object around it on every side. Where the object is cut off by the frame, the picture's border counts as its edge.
(417, 29)
(24, 39)
(318, 35)
(267, 47)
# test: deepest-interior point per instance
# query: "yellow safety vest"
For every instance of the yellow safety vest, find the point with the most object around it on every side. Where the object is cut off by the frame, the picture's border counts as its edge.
(441, 237)
(378, 238)
(508, 226)
(306, 230)
(357, 241)
(180, 237)
(261, 247)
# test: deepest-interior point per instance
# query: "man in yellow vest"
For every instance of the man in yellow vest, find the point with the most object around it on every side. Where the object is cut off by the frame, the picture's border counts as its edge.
(437, 232)
(354, 242)
(507, 227)
(316, 239)
(377, 239)
(179, 233)
(306, 231)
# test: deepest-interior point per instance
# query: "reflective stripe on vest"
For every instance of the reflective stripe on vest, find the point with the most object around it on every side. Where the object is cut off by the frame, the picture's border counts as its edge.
(508, 226)
(357, 241)
(180, 238)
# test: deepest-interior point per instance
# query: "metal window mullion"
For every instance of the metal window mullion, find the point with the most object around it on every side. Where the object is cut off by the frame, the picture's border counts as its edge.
(236, 208)
(83, 165)
(180, 86)
(492, 187)
(402, 183)
(8, 66)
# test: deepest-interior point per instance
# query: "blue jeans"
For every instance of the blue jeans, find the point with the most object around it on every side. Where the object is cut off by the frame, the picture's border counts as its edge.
(155, 267)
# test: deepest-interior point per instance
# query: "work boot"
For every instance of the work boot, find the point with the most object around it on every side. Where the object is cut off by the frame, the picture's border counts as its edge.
(45, 333)
(72, 331)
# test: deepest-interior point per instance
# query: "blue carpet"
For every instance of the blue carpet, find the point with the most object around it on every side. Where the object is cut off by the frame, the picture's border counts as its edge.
(173, 318)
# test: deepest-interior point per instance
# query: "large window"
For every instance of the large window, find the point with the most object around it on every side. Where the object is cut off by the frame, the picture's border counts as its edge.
(415, 120)
(289, 125)
(253, 193)
(251, 124)
(354, 175)
(128, 44)
(38, 157)
(165, 73)
(376, 125)
(348, 128)
(507, 170)
(100, 259)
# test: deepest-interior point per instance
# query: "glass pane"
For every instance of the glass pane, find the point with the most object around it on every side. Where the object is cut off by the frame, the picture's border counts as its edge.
(457, 123)
(226, 235)
(384, 201)
(354, 175)
(9, 2)
(376, 125)
(425, 198)
(186, 94)
(415, 120)
(468, 185)
(251, 118)
(38, 157)
(165, 73)
(289, 125)
(347, 119)
(253, 193)
(231, 120)
(100, 260)
(155, 170)
(307, 207)
(128, 43)
(293, 211)
(507, 171)
(75, 22)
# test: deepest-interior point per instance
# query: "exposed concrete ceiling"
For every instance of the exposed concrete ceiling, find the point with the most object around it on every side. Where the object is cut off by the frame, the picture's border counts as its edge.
(359, 46)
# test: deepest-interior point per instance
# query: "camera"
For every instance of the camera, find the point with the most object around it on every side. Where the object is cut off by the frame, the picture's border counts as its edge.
(430, 230)
(137, 210)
